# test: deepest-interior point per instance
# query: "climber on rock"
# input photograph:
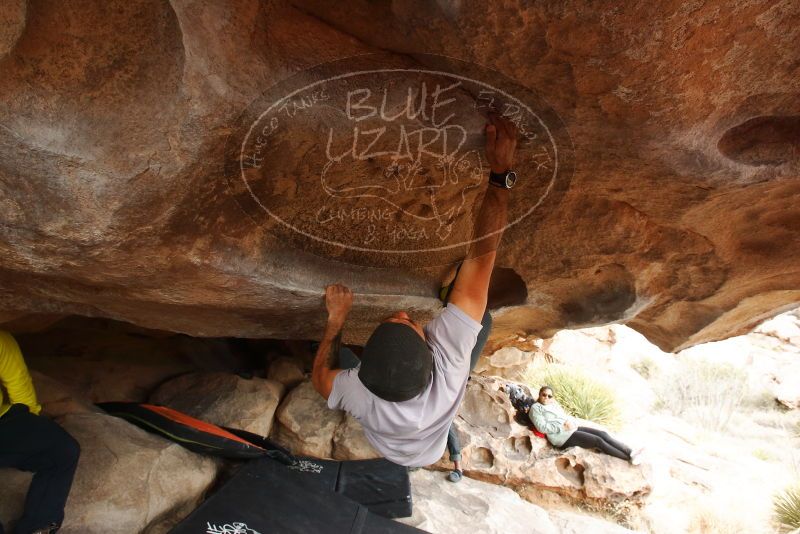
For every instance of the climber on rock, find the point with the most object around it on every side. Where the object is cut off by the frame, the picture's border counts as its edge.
(32, 442)
(410, 380)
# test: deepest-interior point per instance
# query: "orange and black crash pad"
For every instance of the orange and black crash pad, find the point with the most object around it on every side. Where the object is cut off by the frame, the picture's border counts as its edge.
(276, 491)
(194, 434)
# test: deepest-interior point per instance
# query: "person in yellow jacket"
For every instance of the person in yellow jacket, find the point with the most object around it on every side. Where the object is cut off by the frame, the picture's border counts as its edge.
(31, 442)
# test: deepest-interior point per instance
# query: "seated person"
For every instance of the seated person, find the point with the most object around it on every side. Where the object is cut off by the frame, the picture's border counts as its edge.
(563, 432)
(34, 443)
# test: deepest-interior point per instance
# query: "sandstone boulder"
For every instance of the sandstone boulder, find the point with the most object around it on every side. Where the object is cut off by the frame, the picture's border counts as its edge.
(509, 362)
(499, 450)
(349, 442)
(57, 399)
(572, 523)
(304, 424)
(441, 507)
(127, 479)
(785, 328)
(660, 162)
(223, 399)
(588, 476)
(287, 371)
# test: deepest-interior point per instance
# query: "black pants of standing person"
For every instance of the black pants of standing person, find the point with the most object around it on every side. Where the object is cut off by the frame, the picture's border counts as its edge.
(591, 438)
(37, 444)
(453, 443)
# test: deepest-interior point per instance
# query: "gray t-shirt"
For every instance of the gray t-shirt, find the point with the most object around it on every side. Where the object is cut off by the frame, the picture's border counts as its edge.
(414, 432)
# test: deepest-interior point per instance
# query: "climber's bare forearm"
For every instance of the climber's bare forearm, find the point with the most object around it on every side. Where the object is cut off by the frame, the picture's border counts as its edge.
(326, 361)
(471, 290)
(338, 301)
(491, 222)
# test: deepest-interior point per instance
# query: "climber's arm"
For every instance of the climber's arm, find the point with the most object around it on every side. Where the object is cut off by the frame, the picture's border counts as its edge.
(471, 289)
(338, 300)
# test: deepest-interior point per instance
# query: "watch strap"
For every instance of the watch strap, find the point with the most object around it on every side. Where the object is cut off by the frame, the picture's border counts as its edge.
(498, 179)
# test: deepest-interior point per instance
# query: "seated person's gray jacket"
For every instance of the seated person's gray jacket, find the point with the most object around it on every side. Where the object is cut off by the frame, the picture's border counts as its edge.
(549, 420)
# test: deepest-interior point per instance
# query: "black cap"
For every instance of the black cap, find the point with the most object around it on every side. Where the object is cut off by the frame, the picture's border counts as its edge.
(396, 363)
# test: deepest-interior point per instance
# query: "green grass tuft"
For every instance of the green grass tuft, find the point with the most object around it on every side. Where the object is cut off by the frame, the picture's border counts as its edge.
(787, 507)
(578, 394)
(763, 455)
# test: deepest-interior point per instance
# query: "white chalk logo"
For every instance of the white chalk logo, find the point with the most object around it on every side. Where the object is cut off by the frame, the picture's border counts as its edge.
(230, 528)
(386, 161)
(306, 466)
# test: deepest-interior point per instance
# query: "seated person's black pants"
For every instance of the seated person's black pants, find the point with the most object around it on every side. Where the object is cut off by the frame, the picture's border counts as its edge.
(35, 443)
(591, 438)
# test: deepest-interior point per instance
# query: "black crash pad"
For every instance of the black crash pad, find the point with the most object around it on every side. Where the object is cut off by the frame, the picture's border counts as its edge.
(380, 485)
(313, 496)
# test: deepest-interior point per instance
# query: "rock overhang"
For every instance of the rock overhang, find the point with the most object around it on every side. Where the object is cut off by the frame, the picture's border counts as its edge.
(677, 217)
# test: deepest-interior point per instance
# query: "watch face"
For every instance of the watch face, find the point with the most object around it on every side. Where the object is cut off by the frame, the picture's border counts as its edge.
(511, 179)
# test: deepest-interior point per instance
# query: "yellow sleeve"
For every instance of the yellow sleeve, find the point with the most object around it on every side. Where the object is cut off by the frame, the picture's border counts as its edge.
(14, 374)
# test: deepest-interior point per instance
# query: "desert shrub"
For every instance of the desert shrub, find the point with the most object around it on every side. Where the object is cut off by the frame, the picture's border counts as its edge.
(704, 391)
(778, 420)
(646, 367)
(762, 399)
(625, 512)
(763, 455)
(708, 517)
(579, 395)
(787, 507)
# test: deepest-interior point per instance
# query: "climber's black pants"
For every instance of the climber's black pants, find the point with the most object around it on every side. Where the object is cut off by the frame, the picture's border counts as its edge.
(37, 444)
(591, 438)
(453, 443)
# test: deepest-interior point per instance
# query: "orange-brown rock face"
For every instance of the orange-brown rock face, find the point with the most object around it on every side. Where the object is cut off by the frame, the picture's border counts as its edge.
(208, 167)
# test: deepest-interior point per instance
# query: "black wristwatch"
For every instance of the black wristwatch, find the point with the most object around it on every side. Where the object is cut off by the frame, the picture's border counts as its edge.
(506, 180)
